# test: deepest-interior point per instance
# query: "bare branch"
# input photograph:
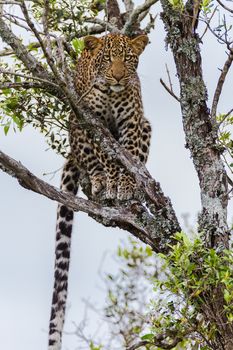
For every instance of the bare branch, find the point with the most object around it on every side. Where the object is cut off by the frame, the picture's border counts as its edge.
(47, 53)
(126, 217)
(169, 90)
(225, 117)
(23, 84)
(103, 24)
(208, 22)
(114, 14)
(46, 26)
(150, 25)
(224, 6)
(96, 29)
(134, 17)
(21, 51)
(9, 3)
(220, 84)
(157, 342)
(129, 6)
(47, 82)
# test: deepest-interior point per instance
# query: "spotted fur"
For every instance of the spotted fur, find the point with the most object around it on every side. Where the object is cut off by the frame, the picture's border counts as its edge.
(108, 81)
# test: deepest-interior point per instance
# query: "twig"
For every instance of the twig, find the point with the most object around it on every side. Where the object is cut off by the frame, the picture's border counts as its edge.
(97, 29)
(9, 3)
(21, 52)
(129, 6)
(150, 25)
(169, 77)
(102, 23)
(135, 15)
(47, 54)
(7, 72)
(45, 18)
(23, 84)
(219, 87)
(225, 7)
(208, 22)
(224, 118)
(169, 90)
(139, 345)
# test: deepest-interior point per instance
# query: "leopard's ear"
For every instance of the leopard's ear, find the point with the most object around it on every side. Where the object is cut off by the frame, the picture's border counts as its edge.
(91, 42)
(139, 43)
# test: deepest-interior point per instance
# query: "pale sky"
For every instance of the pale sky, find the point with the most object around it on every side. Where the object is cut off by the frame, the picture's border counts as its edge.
(27, 225)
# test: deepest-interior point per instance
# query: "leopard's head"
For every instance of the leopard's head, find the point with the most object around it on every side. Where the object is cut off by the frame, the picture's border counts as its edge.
(115, 58)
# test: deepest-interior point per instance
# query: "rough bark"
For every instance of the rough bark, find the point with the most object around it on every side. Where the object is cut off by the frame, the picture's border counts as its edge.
(201, 140)
(201, 136)
(155, 230)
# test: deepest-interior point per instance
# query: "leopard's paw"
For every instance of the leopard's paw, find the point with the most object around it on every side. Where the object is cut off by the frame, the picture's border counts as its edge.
(98, 183)
(126, 188)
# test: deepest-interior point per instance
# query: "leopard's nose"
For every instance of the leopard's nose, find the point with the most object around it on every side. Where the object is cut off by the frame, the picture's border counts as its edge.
(118, 74)
(118, 70)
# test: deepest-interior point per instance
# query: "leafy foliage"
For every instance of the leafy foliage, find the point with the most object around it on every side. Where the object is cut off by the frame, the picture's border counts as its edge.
(164, 300)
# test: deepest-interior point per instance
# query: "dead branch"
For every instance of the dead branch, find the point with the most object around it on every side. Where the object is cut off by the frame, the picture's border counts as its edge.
(134, 17)
(46, 82)
(169, 90)
(224, 6)
(220, 84)
(126, 217)
(114, 14)
(21, 85)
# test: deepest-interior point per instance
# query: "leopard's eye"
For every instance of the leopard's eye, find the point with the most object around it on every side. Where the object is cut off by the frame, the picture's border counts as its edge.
(127, 58)
(106, 57)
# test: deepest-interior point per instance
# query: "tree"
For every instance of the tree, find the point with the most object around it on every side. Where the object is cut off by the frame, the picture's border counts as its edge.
(40, 90)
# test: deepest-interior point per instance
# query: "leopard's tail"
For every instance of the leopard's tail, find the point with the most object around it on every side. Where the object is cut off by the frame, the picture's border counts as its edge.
(69, 183)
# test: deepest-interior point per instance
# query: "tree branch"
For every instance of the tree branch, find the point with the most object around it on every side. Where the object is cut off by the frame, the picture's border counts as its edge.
(134, 17)
(114, 14)
(224, 6)
(23, 84)
(126, 217)
(201, 137)
(169, 90)
(21, 52)
(220, 84)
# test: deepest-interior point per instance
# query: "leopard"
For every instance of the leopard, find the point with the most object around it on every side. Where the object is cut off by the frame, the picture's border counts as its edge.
(107, 81)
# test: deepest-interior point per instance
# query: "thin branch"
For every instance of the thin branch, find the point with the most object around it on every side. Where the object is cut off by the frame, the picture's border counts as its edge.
(47, 53)
(45, 19)
(23, 84)
(21, 51)
(158, 343)
(104, 24)
(139, 345)
(114, 14)
(129, 6)
(220, 84)
(150, 25)
(134, 17)
(7, 72)
(208, 22)
(9, 3)
(225, 7)
(169, 90)
(224, 118)
(169, 77)
(96, 29)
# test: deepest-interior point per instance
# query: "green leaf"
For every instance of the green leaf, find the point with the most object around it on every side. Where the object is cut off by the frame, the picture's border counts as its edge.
(78, 45)
(6, 128)
(148, 336)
